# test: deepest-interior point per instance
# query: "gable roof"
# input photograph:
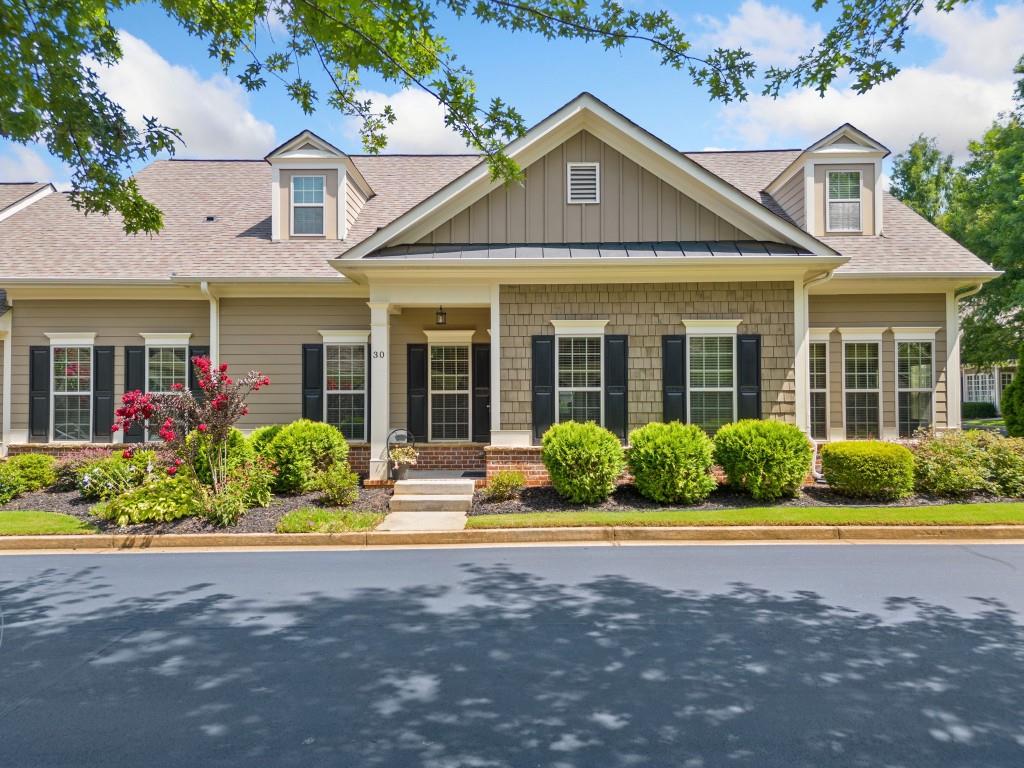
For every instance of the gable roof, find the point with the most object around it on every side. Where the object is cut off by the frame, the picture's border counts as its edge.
(16, 195)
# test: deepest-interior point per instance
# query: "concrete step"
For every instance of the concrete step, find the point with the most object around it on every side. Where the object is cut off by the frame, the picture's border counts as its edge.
(423, 521)
(433, 486)
(431, 502)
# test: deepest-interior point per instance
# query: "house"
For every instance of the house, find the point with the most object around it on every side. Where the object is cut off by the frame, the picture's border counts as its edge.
(623, 281)
(985, 384)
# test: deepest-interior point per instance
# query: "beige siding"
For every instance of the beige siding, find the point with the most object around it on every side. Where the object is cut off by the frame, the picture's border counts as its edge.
(882, 310)
(408, 327)
(354, 202)
(791, 199)
(867, 197)
(268, 334)
(646, 313)
(635, 206)
(115, 323)
(330, 203)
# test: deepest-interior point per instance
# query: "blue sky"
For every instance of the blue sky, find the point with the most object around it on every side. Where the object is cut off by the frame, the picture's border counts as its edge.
(956, 78)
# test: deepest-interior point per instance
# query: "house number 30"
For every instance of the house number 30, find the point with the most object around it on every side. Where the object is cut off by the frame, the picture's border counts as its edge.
(378, 354)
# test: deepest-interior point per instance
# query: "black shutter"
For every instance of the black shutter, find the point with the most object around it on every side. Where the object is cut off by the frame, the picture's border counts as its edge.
(103, 392)
(543, 384)
(673, 378)
(135, 379)
(748, 376)
(616, 385)
(38, 392)
(313, 382)
(481, 393)
(193, 380)
(416, 391)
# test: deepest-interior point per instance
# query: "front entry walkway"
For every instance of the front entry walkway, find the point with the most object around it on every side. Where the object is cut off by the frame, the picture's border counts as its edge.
(429, 504)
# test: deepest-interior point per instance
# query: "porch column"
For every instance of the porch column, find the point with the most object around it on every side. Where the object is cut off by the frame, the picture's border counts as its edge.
(801, 355)
(952, 361)
(6, 327)
(380, 389)
(495, 360)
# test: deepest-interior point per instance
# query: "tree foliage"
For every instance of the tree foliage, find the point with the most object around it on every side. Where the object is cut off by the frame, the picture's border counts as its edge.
(922, 177)
(50, 53)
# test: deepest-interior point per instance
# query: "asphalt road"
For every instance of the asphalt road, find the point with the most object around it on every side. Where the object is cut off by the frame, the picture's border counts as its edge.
(695, 656)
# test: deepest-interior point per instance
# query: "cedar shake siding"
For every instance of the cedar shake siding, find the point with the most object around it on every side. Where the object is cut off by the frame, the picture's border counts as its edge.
(645, 313)
(917, 310)
(268, 334)
(635, 206)
(115, 323)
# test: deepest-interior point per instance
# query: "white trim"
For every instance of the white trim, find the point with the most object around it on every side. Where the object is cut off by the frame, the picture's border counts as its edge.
(579, 327)
(859, 200)
(275, 204)
(821, 334)
(380, 397)
(810, 203)
(346, 337)
(341, 198)
(6, 327)
(449, 341)
(73, 339)
(166, 339)
(825, 391)
(862, 334)
(599, 335)
(877, 341)
(53, 390)
(26, 201)
(926, 339)
(292, 205)
(568, 183)
(689, 369)
(915, 334)
(953, 408)
(711, 327)
(878, 197)
(801, 355)
(449, 337)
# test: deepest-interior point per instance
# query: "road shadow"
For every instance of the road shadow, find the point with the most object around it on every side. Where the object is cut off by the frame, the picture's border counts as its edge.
(514, 671)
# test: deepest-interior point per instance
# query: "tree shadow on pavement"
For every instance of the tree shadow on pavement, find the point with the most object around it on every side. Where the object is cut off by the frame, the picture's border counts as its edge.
(518, 671)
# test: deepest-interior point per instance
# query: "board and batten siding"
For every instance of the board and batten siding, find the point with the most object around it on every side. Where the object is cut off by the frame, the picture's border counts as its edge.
(408, 327)
(913, 310)
(267, 334)
(635, 206)
(791, 199)
(116, 323)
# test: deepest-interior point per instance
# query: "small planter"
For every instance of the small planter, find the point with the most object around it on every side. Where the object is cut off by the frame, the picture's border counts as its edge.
(402, 471)
(402, 457)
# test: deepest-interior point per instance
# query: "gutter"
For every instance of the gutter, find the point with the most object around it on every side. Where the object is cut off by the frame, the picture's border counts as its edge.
(204, 288)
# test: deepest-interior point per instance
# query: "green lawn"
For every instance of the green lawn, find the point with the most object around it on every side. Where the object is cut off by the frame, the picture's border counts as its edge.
(993, 425)
(317, 520)
(28, 523)
(949, 514)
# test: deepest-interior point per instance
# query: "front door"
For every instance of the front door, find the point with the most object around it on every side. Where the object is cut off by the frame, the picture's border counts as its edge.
(482, 393)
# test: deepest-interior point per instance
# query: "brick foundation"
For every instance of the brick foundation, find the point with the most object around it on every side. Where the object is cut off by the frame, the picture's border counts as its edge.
(525, 459)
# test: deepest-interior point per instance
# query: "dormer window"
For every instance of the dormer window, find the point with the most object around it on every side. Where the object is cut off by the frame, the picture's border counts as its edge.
(308, 205)
(844, 211)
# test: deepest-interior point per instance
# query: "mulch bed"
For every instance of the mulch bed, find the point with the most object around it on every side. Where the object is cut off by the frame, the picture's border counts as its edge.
(627, 499)
(259, 520)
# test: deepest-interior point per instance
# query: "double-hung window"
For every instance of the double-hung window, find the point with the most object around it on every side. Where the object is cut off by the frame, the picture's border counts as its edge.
(308, 205)
(711, 372)
(844, 204)
(979, 388)
(862, 384)
(450, 384)
(818, 367)
(915, 380)
(1005, 379)
(345, 388)
(71, 367)
(166, 368)
(579, 370)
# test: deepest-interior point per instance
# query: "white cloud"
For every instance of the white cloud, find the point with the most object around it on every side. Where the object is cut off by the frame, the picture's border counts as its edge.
(419, 123)
(955, 97)
(211, 113)
(21, 163)
(772, 34)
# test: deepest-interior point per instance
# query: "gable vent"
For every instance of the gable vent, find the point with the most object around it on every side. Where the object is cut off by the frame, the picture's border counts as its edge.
(584, 182)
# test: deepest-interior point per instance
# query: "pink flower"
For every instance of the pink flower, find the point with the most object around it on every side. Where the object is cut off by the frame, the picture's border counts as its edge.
(127, 453)
(172, 471)
(177, 386)
(202, 427)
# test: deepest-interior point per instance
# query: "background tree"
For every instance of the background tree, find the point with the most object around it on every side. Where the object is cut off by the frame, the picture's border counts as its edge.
(49, 52)
(922, 178)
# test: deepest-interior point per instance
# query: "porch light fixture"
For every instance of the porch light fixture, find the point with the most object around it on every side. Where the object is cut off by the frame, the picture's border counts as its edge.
(441, 317)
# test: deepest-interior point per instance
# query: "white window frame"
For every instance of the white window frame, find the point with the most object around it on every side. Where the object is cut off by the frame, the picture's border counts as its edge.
(863, 336)
(348, 339)
(450, 339)
(292, 205)
(71, 341)
(859, 200)
(823, 340)
(568, 183)
(165, 341)
(712, 328)
(971, 388)
(912, 336)
(579, 329)
(1005, 379)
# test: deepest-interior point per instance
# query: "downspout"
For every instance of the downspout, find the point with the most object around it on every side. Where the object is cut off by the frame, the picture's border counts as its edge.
(969, 292)
(204, 287)
(817, 280)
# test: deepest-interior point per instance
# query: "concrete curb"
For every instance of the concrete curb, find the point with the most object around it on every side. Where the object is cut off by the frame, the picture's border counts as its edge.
(604, 534)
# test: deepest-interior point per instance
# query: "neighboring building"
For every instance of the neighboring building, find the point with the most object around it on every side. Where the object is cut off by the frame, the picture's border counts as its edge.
(985, 384)
(623, 281)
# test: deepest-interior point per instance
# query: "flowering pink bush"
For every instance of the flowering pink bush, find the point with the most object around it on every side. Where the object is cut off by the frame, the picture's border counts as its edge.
(212, 414)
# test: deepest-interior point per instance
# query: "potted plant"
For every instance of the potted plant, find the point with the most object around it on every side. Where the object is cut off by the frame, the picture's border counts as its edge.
(402, 457)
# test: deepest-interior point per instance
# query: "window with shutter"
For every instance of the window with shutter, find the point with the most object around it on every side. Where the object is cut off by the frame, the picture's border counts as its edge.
(584, 182)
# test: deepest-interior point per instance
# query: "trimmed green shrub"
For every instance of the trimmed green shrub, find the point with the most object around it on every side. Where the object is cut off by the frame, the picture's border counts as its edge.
(978, 410)
(1006, 465)
(954, 463)
(261, 438)
(11, 482)
(671, 463)
(869, 469)
(768, 459)
(38, 470)
(301, 451)
(160, 501)
(240, 451)
(115, 475)
(1012, 402)
(339, 484)
(504, 485)
(69, 467)
(228, 506)
(583, 461)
